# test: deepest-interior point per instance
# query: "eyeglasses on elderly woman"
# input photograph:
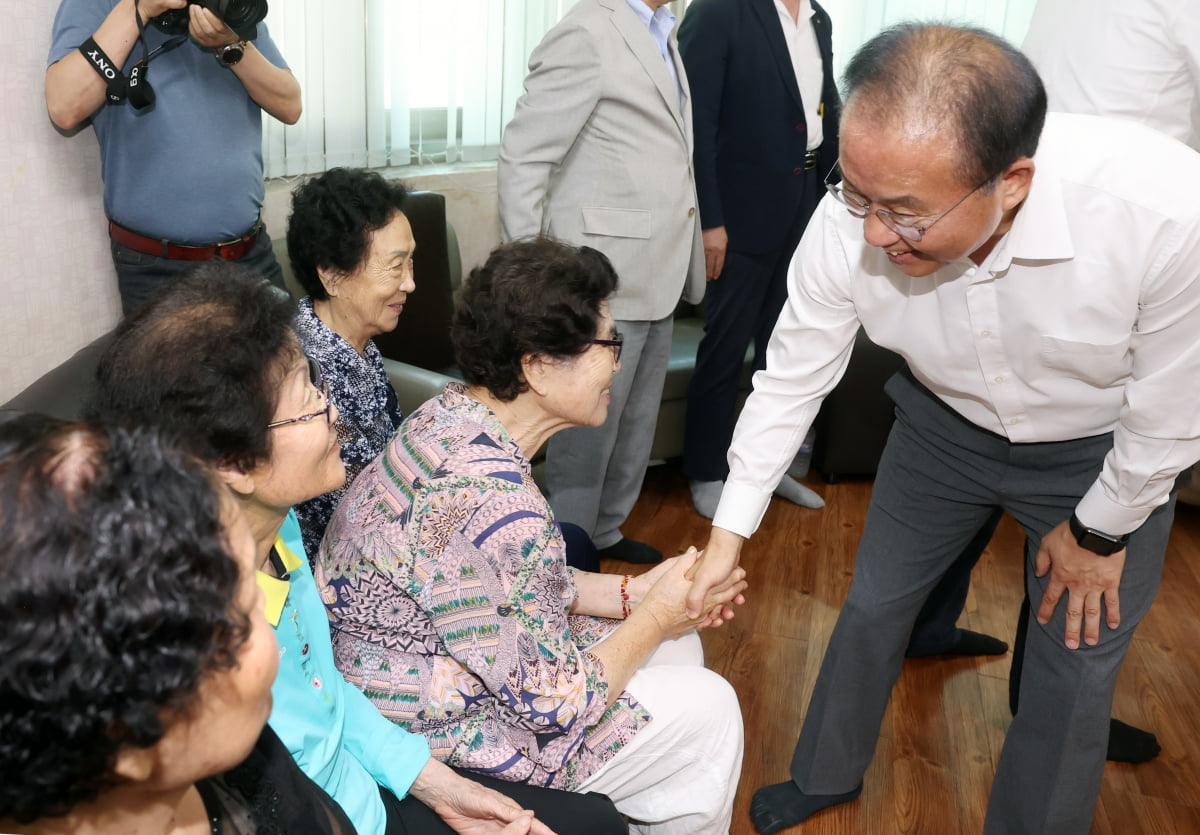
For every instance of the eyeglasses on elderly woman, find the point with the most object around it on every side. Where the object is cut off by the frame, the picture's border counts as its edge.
(616, 342)
(322, 387)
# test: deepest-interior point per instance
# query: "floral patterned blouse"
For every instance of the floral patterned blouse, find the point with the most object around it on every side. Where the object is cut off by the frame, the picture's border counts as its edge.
(368, 414)
(448, 591)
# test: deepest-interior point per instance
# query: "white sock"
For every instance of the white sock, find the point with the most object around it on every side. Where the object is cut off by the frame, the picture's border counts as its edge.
(794, 492)
(706, 495)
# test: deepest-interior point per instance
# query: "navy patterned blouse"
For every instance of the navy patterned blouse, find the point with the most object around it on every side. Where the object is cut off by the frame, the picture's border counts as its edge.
(368, 414)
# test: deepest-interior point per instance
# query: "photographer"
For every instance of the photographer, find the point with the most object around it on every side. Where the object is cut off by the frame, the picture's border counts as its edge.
(183, 172)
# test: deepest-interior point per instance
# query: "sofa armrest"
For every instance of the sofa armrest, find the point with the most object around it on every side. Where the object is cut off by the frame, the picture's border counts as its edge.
(414, 385)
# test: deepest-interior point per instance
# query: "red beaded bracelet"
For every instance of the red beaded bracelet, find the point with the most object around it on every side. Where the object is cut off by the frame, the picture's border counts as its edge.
(625, 595)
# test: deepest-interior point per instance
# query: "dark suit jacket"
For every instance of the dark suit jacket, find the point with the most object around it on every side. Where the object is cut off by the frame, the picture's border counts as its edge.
(750, 130)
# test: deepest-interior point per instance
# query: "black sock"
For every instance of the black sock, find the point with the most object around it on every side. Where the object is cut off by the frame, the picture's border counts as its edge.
(976, 643)
(783, 804)
(968, 643)
(1127, 744)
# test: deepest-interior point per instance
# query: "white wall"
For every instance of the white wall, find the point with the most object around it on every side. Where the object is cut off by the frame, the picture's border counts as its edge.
(57, 286)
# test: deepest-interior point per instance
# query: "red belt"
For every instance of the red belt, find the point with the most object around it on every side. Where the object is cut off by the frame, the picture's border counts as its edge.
(162, 248)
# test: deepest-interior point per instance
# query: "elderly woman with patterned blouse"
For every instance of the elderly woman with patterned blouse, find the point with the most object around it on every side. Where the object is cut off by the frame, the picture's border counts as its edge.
(351, 249)
(450, 602)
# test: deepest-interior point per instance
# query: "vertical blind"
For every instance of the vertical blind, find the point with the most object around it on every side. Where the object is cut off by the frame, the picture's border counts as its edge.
(410, 82)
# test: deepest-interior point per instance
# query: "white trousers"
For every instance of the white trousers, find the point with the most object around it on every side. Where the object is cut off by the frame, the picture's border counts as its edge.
(678, 774)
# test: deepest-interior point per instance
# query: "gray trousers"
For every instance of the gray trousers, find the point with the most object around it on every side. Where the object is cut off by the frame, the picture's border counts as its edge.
(939, 479)
(594, 474)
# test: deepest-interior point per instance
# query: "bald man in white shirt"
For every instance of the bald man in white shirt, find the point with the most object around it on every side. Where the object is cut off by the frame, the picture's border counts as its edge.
(1046, 295)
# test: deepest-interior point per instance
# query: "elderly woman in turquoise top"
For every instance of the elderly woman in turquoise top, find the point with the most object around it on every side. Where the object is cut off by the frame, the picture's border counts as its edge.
(454, 609)
(246, 399)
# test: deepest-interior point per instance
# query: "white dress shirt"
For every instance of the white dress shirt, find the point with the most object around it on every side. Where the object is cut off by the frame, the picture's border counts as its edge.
(806, 63)
(660, 22)
(1139, 60)
(1084, 319)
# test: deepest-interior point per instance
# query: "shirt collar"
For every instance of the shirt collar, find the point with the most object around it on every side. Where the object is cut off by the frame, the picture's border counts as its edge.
(662, 15)
(1040, 231)
(275, 589)
(805, 12)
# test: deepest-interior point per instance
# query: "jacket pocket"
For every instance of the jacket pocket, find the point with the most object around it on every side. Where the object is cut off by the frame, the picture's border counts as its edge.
(616, 223)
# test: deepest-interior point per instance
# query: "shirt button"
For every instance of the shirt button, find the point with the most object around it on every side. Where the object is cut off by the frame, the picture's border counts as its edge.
(999, 379)
(985, 334)
(691, 212)
(1011, 421)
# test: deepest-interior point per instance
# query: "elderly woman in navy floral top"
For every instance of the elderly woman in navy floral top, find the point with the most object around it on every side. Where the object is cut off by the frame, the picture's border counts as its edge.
(351, 249)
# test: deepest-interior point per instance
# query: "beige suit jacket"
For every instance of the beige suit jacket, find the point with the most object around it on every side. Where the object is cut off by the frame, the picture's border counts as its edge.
(599, 153)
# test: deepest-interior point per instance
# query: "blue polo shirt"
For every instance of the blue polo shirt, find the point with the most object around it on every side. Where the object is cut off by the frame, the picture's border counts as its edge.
(189, 168)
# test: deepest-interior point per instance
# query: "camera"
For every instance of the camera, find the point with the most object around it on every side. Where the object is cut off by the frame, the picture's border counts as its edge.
(242, 16)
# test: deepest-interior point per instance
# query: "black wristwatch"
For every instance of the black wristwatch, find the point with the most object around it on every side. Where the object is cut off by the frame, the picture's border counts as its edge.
(1098, 542)
(230, 53)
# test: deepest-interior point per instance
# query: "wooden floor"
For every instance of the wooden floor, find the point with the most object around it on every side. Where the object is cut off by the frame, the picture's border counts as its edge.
(942, 733)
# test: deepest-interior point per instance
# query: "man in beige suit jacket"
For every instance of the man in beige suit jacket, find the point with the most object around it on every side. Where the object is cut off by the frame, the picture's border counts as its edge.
(599, 153)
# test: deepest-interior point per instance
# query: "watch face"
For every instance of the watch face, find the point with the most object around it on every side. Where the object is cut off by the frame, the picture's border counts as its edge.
(231, 54)
(1099, 544)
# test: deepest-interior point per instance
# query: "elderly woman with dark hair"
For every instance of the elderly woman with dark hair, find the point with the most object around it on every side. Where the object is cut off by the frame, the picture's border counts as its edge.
(135, 661)
(215, 362)
(453, 608)
(351, 249)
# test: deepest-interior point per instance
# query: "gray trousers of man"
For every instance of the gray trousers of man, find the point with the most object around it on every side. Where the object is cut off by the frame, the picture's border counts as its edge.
(594, 474)
(939, 479)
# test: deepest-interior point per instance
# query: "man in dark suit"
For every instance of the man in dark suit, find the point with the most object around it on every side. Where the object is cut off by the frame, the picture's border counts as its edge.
(765, 110)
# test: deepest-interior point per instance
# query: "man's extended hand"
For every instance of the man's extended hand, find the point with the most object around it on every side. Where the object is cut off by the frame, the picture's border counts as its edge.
(715, 244)
(469, 808)
(719, 560)
(1088, 579)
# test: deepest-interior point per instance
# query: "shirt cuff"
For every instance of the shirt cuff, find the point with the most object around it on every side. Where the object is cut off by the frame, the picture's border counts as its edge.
(741, 508)
(1096, 510)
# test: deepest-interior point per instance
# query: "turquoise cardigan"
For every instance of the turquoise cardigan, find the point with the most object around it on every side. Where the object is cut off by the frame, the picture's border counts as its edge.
(337, 736)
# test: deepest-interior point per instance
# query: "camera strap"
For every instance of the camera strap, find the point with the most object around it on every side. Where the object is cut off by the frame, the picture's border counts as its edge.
(114, 80)
(141, 94)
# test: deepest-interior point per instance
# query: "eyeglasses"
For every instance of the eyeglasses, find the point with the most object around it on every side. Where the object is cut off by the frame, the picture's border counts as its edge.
(903, 225)
(314, 377)
(617, 342)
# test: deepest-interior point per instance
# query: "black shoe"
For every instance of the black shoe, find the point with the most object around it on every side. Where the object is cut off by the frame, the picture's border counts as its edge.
(630, 550)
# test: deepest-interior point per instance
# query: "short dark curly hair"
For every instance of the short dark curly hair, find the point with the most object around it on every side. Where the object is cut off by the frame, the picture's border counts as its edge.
(333, 216)
(531, 296)
(116, 599)
(202, 362)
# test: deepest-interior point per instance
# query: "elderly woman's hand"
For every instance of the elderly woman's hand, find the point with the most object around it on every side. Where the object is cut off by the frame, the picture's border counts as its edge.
(469, 808)
(666, 597)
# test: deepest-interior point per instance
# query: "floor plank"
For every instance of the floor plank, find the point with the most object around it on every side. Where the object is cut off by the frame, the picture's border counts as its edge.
(943, 730)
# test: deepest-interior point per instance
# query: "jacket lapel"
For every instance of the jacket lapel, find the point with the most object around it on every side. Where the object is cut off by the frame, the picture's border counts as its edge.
(768, 18)
(641, 43)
